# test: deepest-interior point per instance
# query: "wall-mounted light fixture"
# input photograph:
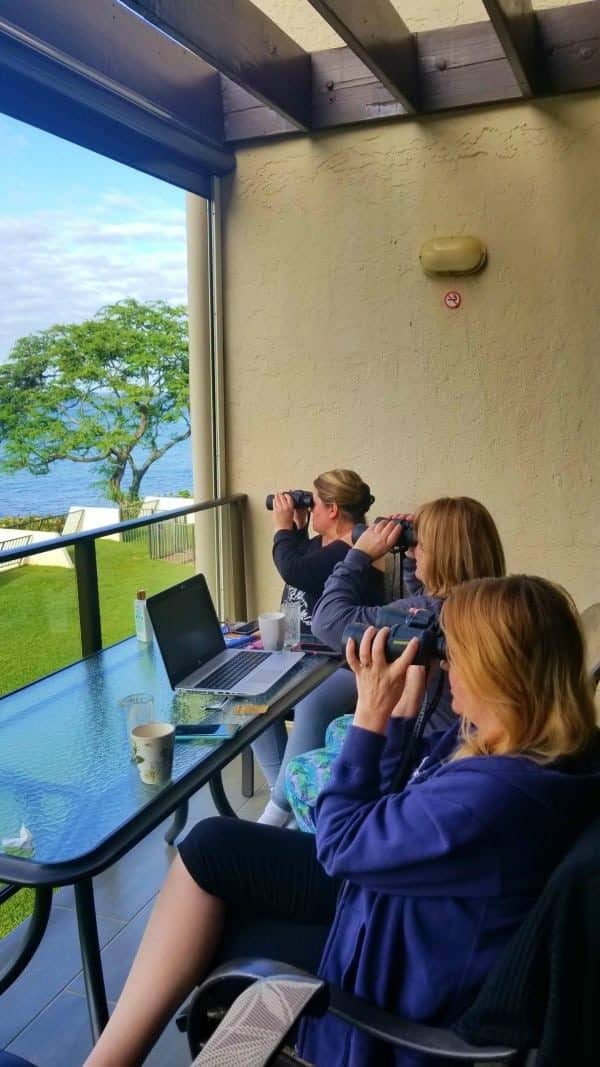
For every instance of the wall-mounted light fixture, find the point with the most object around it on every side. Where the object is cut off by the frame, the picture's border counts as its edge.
(453, 255)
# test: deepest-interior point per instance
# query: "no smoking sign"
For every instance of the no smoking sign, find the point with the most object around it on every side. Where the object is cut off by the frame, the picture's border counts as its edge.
(452, 299)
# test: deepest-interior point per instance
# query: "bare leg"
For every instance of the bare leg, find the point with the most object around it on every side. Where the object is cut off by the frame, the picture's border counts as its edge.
(176, 950)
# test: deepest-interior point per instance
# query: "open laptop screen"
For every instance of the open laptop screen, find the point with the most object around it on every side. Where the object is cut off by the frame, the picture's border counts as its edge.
(186, 627)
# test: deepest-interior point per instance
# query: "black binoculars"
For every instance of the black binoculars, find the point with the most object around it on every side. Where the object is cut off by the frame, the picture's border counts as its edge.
(302, 498)
(422, 624)
(408, 537)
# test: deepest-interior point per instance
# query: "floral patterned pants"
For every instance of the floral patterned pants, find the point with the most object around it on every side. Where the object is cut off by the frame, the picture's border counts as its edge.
(306, 775)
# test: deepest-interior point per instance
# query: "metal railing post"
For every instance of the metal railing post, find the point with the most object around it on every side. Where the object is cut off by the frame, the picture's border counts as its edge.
(88, 597)
(238, 561)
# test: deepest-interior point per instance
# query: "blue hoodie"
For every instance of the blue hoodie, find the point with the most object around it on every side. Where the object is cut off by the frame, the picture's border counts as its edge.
(437, 878)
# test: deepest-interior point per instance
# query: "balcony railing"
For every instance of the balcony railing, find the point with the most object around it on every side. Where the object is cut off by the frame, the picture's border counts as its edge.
(229, 534)
(170, 534)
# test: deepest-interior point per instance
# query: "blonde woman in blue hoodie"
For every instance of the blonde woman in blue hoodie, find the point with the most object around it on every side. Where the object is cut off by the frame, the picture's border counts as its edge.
(415, 892)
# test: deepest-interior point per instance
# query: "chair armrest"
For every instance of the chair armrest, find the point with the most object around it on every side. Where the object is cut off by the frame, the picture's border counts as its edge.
(383, 1025)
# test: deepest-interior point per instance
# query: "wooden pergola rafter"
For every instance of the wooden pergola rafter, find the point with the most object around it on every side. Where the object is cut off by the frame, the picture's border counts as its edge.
(177, 84)
(384, 70)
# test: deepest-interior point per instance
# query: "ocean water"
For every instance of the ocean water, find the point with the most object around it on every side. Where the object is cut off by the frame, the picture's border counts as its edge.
(69, 483)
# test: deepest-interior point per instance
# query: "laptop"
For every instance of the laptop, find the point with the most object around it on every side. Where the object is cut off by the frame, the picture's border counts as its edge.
(193, 648)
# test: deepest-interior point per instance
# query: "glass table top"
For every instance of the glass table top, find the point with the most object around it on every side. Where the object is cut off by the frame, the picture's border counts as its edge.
(66, 772)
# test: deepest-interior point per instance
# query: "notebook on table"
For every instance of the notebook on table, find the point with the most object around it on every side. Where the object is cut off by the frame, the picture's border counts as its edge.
(193, 648)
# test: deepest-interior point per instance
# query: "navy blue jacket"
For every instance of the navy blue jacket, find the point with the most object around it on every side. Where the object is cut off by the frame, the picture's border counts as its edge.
(305, 565)
(437, 878)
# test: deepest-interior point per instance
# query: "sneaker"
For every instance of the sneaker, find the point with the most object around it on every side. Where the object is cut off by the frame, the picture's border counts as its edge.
(273, 815)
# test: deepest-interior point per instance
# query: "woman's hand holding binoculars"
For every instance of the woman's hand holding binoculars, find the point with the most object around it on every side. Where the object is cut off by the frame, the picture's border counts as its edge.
(385, 689)
(379, 538)
(285, 515)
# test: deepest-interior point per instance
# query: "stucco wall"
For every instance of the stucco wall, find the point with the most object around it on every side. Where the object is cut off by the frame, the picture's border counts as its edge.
(339, 350)
(304, 25)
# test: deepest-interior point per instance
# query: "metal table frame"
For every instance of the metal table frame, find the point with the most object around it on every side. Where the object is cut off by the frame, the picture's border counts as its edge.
(80, 871)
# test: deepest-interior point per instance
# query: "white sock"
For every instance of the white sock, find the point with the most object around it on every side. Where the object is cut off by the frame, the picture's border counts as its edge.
(273, 815)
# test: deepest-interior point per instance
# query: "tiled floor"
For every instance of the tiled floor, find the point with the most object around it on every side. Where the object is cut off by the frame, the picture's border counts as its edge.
(43, 1016)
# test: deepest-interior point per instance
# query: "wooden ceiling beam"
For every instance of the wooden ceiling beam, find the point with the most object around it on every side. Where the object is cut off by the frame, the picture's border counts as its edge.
(99, 76)
(376, 34)
(515, 24)
(236, 38)
(461, 66)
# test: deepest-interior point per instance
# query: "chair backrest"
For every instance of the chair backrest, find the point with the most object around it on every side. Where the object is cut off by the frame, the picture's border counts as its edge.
(392, 577)
(545, 990)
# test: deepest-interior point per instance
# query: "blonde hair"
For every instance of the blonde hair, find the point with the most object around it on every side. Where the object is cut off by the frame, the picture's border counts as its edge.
(461, 541)
(347, 490)
(518, 645)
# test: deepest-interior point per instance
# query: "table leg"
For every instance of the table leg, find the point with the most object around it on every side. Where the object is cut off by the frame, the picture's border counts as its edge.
(248, 772)
(219, 796)
(36, 929)
(179, 820)
(90, 956)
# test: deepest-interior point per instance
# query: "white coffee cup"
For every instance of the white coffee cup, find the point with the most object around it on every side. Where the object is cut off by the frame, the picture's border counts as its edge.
(272, 630)
(153, 745)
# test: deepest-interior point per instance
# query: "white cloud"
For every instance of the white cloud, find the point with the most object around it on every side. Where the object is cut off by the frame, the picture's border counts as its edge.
(58, 267)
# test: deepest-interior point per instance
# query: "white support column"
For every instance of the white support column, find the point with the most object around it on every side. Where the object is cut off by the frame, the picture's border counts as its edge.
(201, 384)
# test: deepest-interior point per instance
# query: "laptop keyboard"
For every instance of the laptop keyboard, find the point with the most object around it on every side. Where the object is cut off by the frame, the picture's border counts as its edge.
(230, 673)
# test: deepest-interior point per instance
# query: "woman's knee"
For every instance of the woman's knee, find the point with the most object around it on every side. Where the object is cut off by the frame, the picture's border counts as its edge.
(211, 833)
(207, 852)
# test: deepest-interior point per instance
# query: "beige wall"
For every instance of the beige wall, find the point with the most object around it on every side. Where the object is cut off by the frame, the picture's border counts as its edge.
(339, 350)
(302, 23)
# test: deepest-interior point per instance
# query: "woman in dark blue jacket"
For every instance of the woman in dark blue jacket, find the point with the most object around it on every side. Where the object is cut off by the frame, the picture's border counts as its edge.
(432, 880)
(340, 499)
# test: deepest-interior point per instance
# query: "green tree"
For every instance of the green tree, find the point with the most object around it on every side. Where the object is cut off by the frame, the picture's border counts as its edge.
(104, 391)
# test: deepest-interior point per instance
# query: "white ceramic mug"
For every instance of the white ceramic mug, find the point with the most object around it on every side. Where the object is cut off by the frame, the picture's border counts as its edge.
(272, 630)
(153, 746)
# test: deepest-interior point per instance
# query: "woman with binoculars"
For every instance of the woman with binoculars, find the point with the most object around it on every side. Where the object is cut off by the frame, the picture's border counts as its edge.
(339, 501)
(406, 897)
(454, 539)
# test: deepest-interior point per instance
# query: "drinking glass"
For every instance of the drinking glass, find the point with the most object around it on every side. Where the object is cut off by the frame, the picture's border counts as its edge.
(291, 611)
(139, 709)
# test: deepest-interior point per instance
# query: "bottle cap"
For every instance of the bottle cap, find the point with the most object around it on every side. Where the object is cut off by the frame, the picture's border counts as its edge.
(141, 594)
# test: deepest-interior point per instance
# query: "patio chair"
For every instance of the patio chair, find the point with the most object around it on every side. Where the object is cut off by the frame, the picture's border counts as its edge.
(542, 995)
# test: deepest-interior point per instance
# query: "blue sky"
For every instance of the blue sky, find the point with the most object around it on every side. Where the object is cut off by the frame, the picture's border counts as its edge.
(78, 231)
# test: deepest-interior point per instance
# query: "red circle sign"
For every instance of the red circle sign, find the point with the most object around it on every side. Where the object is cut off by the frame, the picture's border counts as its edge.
(452, 299)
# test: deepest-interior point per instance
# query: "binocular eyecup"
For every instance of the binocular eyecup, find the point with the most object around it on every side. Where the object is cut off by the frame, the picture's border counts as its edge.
(408, 538)
(423, 625)
(302, 498)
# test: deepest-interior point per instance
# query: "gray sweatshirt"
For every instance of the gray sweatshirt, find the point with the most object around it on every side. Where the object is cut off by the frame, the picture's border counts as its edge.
(343, 600)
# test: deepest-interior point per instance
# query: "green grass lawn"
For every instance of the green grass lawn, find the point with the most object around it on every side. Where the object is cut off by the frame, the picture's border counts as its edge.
(39, 628)
(39, 620)
(15, 910)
